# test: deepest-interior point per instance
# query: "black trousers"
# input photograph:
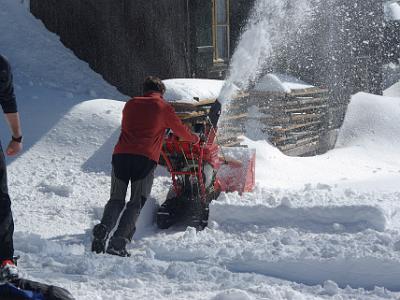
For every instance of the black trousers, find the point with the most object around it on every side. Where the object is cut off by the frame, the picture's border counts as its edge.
(6, 218)
(139, 171)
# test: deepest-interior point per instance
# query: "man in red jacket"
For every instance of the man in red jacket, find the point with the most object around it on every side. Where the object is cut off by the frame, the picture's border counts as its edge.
(144, 121)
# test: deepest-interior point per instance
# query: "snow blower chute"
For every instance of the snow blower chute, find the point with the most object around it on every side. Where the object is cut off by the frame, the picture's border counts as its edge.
(201, 172)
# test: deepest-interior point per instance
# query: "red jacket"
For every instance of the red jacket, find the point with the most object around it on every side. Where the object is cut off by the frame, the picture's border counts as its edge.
(144, 121)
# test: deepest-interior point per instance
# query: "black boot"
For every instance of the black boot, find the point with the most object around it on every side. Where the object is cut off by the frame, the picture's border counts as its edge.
(117, 246)
(100, 235)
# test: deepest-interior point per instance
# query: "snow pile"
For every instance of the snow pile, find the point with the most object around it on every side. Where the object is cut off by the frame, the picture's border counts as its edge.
(392, 11)
(49, 79)
(27, 44)
(393, 91)
(371, 123)
(280, 83)
(184, 90)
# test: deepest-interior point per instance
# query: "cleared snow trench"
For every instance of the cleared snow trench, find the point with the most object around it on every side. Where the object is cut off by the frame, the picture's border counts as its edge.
(349, 243)
(365, 273)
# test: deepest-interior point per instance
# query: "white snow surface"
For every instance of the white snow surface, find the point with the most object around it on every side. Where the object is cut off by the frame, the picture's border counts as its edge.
(392, 11)
(280, 83)
(323, 227)
(184, 89)
(393, 91)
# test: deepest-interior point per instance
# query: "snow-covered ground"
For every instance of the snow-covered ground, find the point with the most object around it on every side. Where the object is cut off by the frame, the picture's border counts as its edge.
(323, 227)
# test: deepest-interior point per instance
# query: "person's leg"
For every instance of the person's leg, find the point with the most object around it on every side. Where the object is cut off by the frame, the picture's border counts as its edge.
(140, 191)
(119, 183)
(116, 204)
(7, 267)
(6, 219)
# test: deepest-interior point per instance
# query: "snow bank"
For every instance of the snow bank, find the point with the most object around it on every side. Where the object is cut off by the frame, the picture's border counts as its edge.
(392, 11)
(329, 218)
(49, 79)
(184, 90)
(40, 60)
(393, 91)
(372, 123)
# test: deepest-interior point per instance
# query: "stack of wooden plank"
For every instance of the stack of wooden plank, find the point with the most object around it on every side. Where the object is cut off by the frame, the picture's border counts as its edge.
(294, 122)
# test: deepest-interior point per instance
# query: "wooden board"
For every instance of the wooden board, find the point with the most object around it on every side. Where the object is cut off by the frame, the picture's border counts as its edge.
(302, 142)
(290, 143)
(294, 126)
(288, 139)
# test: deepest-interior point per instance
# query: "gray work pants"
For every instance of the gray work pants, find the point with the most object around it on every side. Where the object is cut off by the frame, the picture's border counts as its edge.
(122, 174)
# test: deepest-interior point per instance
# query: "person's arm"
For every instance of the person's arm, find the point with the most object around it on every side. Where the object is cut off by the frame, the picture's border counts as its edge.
(15, 144)
(178, 127)
(9, 106)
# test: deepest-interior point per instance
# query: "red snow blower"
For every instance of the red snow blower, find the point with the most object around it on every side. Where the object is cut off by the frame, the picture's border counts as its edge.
(200, 173)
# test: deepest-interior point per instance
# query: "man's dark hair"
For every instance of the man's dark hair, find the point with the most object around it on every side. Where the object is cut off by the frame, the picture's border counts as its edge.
(152, 83)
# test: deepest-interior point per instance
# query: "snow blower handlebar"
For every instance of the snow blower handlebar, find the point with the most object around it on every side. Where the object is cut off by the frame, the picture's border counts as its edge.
(174, 150)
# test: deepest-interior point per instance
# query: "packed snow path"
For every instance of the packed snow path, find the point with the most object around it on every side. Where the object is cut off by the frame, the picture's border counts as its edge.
(324, 227)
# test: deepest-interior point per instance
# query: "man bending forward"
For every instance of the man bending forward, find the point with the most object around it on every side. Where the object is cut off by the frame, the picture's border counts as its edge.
(144, 121)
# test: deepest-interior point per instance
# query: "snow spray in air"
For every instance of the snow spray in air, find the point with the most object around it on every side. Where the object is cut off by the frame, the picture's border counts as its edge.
(271, 23)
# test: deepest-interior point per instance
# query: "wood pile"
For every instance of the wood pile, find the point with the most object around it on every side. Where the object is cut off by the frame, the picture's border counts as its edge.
(294, 122)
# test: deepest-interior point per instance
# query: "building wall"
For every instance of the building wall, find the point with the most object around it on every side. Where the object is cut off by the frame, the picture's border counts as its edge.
(202, 35)
(122, 40)
(201, 46)
(127, 40)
